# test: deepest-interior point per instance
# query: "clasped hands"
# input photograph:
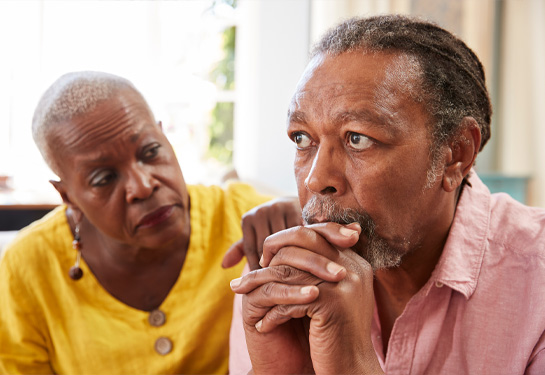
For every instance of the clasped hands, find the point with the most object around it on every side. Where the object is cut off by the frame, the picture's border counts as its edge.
(309, 309)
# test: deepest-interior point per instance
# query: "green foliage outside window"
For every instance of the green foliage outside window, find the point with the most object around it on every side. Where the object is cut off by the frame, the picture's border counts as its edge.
(223, 75)
(221, 133)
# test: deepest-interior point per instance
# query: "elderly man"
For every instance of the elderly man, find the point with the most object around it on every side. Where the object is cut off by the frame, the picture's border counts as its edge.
(407, 264)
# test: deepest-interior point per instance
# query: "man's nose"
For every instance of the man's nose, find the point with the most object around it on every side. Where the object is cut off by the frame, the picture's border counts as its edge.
(141, 184)
(326, 176)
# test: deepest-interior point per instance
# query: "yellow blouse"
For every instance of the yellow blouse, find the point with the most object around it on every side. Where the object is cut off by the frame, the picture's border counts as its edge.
(52, 324)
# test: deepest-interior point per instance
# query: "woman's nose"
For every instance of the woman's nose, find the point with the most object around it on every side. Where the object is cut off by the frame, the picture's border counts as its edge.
(140, 184)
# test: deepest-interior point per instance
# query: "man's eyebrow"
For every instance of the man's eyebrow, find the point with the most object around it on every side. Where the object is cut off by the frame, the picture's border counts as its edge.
(297, 117)
(364, 116)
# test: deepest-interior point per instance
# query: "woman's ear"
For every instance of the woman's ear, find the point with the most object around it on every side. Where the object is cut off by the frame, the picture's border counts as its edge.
(462, 152)
(61, 188)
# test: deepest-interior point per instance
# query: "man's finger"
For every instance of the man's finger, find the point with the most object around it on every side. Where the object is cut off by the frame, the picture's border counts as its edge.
(339, 235)
(280, 314)
(260, 301)
(306, 260)
(281, 274)
(322, 238)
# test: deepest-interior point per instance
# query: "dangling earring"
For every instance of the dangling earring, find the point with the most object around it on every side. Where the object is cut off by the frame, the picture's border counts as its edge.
(76, 272)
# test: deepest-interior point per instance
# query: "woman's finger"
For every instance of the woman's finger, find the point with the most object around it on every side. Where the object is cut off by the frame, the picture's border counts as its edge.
(249, 244)
(234, 255)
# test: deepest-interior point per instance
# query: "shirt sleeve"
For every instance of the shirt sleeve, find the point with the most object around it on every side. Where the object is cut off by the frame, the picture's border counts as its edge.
(23, 345)
(239, 360)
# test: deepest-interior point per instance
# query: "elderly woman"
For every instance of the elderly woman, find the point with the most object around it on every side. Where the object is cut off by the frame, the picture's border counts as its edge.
(125, 276)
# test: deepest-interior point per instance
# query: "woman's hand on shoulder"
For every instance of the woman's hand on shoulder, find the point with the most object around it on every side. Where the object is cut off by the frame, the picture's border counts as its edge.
(259, 223)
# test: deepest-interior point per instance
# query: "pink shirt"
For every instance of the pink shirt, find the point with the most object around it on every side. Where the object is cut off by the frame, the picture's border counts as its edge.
(483, 309)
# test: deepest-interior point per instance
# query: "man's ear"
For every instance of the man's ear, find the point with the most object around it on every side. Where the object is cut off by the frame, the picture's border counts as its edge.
(462, 152)
(60, 187)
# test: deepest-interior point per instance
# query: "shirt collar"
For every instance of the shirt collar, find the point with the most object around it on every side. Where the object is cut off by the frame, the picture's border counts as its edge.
(460, 263)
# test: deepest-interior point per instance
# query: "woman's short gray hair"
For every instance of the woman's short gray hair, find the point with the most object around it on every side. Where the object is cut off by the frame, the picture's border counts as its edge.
(71, 95)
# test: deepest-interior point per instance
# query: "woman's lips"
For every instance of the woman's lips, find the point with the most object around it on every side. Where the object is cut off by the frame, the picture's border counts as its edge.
(156, 217)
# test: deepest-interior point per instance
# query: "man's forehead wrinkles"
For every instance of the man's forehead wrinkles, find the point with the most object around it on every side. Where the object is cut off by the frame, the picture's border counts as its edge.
(336, 88)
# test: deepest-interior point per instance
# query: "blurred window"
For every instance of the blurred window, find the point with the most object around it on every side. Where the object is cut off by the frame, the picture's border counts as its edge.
(179, 54)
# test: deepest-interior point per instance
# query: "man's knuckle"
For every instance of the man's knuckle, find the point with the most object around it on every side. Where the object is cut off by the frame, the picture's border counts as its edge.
(309, 234)
(285, 293)
(268, 245)
(281, 311)
(268, 241)
(280, 256)
(286, 272)
(299, 230)
(252, 276)
(268, 289)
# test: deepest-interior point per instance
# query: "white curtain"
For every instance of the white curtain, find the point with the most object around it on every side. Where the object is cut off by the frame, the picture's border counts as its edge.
(521, 102)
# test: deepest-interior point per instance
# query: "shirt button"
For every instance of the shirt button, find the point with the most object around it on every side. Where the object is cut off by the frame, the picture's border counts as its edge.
(438, 284)
(157, 318)
(163, 346)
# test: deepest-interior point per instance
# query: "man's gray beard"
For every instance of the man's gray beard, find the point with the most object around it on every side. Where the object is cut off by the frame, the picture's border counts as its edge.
(378, 253)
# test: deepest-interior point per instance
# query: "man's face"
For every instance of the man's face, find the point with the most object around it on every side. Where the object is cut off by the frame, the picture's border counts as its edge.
(119, 169)
(363, 148)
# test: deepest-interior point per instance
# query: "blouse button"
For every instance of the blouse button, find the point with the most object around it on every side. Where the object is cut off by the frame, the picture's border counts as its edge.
(157, 318)
(163, 346)
(438, 284)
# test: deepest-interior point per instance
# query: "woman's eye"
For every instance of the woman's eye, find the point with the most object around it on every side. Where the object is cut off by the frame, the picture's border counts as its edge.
(151, 152)
(102, 179)
(301, 140)
(359, 141)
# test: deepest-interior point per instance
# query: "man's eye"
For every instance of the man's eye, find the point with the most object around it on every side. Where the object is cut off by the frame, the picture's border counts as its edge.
(301, 140)
(359, 141)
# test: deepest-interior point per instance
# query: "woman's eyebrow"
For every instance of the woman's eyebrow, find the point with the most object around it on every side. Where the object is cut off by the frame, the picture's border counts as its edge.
(97, 159)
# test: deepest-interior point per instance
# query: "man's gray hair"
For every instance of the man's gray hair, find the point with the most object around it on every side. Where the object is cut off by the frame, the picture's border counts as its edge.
(73, 94)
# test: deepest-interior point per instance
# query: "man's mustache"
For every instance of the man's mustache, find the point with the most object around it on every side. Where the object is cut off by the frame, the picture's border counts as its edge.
(324, 208)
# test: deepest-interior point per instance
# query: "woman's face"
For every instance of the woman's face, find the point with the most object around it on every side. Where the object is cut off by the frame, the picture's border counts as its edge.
(121, 172)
